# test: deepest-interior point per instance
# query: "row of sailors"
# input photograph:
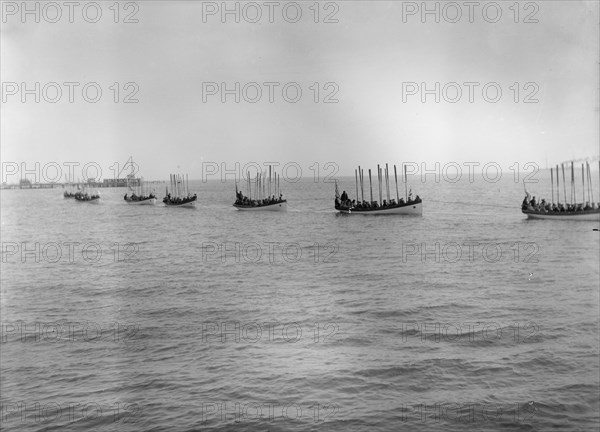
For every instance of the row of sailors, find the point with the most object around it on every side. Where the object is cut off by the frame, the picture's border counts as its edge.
(546, 207)
(346, 202)
(85, 196)
(244, 200)
(135, 197)
(179, 200)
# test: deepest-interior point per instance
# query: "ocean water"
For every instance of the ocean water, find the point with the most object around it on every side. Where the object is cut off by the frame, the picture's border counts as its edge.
(468, 318)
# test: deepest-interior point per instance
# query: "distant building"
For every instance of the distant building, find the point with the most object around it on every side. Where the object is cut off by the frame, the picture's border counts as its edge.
(122, 182)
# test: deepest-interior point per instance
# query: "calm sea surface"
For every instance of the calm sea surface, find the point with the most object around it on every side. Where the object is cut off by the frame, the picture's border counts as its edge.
(119, 317)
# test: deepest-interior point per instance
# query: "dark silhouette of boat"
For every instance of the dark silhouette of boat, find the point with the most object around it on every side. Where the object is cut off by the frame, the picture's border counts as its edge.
(583, 211)
(388, 206)
(267, 194)
(180, 196)
(84, 196)
(140, 196)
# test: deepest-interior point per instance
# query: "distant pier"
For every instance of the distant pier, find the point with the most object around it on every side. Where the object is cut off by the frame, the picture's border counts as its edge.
(106, 183)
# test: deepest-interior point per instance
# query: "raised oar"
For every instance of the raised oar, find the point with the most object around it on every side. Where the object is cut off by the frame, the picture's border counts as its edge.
(356, 181)
(564, 182)
(587, 173)
(396, 178)
(381, 186)
(362, 191)
(557, 187)
(371, 187)
(379, 181)
(387, 182)
(583, 186)
(573, 194)
(552, 184)
(590, 186)
(405, 185)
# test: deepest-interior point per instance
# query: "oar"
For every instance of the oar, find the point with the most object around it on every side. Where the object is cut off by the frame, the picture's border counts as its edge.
(590, 186)
(362, 191)
(582, 186)
(564, 181)
(356, 181)
(379, 181)
(371, 186)
(405, 185)
(552, 184)
(574, 195)
(396, 177)
(387, 182)
(557, 187)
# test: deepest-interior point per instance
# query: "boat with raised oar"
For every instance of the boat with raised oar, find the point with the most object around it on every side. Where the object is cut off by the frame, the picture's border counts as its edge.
(582, 211)
(389, 206)
(70, 193)
(179, 194)
(87, 197)
(142, 197)
(267, 194)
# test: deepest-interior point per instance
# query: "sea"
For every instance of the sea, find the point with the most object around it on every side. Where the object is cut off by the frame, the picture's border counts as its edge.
(119, 317)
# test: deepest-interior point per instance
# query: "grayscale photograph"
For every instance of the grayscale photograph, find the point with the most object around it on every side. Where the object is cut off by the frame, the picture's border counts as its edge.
(311, 215)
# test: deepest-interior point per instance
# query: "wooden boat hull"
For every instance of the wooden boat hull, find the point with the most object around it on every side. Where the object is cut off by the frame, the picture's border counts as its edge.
(150, 201)
(90, 201)
(187, 204)
(415, 209)
(277, 207)
(580, 216)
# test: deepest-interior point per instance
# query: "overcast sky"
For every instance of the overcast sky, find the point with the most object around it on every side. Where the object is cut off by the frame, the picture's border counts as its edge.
(373, 52)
